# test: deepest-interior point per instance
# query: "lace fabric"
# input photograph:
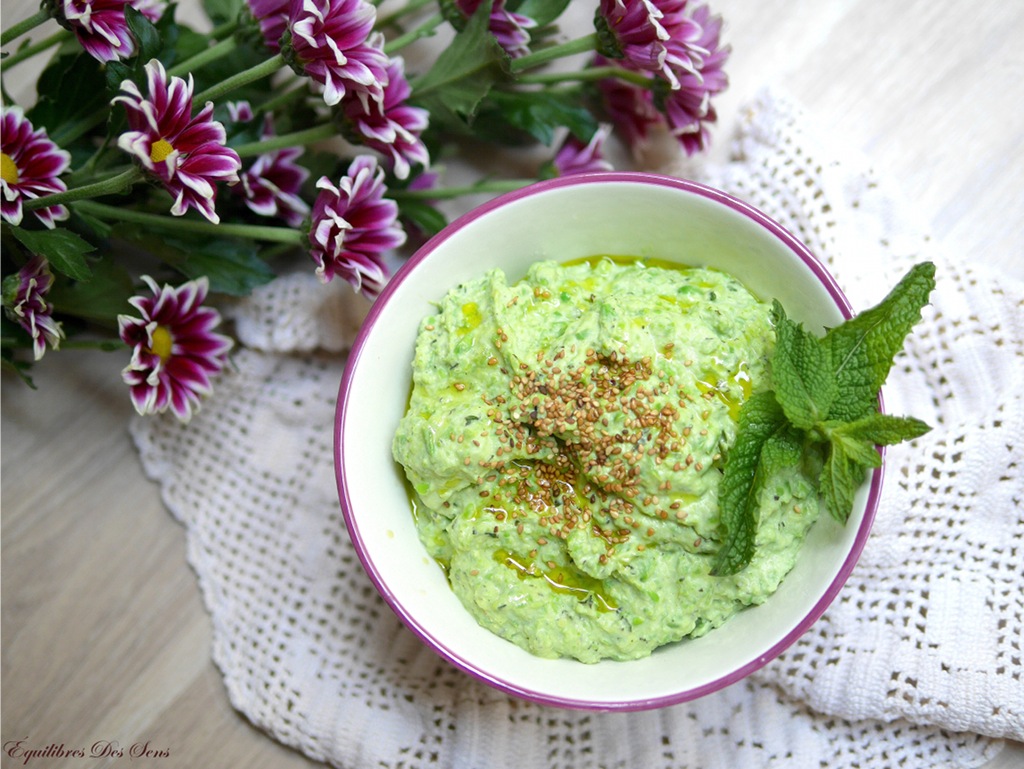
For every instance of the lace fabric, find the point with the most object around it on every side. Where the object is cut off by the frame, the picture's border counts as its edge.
(916, 664)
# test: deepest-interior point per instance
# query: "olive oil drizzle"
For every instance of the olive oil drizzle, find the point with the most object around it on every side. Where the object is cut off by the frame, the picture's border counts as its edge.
(564, 580)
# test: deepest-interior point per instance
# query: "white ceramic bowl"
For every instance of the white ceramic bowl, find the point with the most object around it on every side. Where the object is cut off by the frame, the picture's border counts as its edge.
(577, 216)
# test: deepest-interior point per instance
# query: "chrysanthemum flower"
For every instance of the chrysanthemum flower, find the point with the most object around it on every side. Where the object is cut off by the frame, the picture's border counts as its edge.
(650, 36)
(683, 52)
(272, 18)
(688, 109)
(101, 27)
(510, 29)
(329, 44)
(175, 350)
(575, 157)
(26, 304)
(630, 107)
(390, 126)
(632, 29)
(29, 166)
(186, 153)
(271, 184)
(353, 224)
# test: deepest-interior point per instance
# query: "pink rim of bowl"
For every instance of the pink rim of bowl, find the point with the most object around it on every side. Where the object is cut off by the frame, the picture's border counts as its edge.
(358, 353)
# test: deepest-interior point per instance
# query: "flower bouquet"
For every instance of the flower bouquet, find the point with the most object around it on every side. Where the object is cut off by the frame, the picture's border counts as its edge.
(161, 167)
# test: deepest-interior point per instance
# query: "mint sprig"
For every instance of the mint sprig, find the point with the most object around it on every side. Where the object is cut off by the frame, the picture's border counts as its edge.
(824, 401)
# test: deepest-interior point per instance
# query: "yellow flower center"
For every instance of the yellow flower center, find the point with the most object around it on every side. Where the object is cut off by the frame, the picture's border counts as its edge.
(162, 341)
(160, 150)
(8, 169)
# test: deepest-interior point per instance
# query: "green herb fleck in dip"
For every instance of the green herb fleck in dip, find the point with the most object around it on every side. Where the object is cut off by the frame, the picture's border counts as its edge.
(564, 443)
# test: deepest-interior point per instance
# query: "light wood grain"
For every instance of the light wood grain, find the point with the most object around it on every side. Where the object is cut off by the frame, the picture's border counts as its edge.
(104, 632)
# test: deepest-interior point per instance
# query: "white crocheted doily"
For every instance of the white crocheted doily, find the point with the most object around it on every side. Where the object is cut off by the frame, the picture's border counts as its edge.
(917, 664)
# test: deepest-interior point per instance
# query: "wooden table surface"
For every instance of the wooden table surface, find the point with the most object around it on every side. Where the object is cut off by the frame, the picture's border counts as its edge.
(104, 634)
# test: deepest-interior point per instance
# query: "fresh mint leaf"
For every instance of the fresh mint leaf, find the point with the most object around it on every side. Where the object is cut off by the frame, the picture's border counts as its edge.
(824, 405)
(805, 385)
(856, 449)
(840, 476)
(63, 249)
(879, 429)
(863, 348)
(761, 418)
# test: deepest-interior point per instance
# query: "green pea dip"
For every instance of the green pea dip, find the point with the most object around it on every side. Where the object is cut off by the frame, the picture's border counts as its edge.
(563, 444)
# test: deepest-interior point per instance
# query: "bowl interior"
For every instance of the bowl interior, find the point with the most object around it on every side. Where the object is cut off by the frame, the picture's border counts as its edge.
(621, 214)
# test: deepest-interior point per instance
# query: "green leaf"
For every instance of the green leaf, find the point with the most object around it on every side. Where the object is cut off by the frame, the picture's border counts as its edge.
(856, 449)
(100, 300)
(423, 215)
(71, 88)
(17, 367)
(463, 73)
(805, 385)
(63, 249)
(884, 429)
(220, 11)
(863, 348)
(537, 113)
(541, 11)
(840, 477)
(760, 418)
(147, 37)
(233, 265)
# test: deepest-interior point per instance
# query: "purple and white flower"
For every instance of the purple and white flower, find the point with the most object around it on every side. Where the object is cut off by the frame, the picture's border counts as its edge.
(696, 61)
(272, 183)
(510, 29)
(651, 36)
(688, 109)
(636, 33)
(390, 126)
(187, 154)
(175, 350)
(101, 26)
(30, 165)
(630, 107)
(575, 157)
(272, 18)
(353, 224)
(330, 45)
(683, 53)
(25, 303)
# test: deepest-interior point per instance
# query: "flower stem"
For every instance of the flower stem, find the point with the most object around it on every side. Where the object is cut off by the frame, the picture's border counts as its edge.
(251, 75)
(104, 345)
(544, 55)
(31, 50)
(24, 26)
(391, 18)
(285, 97)
(116, 184)
(201, 226)
(446, 193)
(273, 143)
(425, 29)
(225, 29)
(593, 73)
(214, 52)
